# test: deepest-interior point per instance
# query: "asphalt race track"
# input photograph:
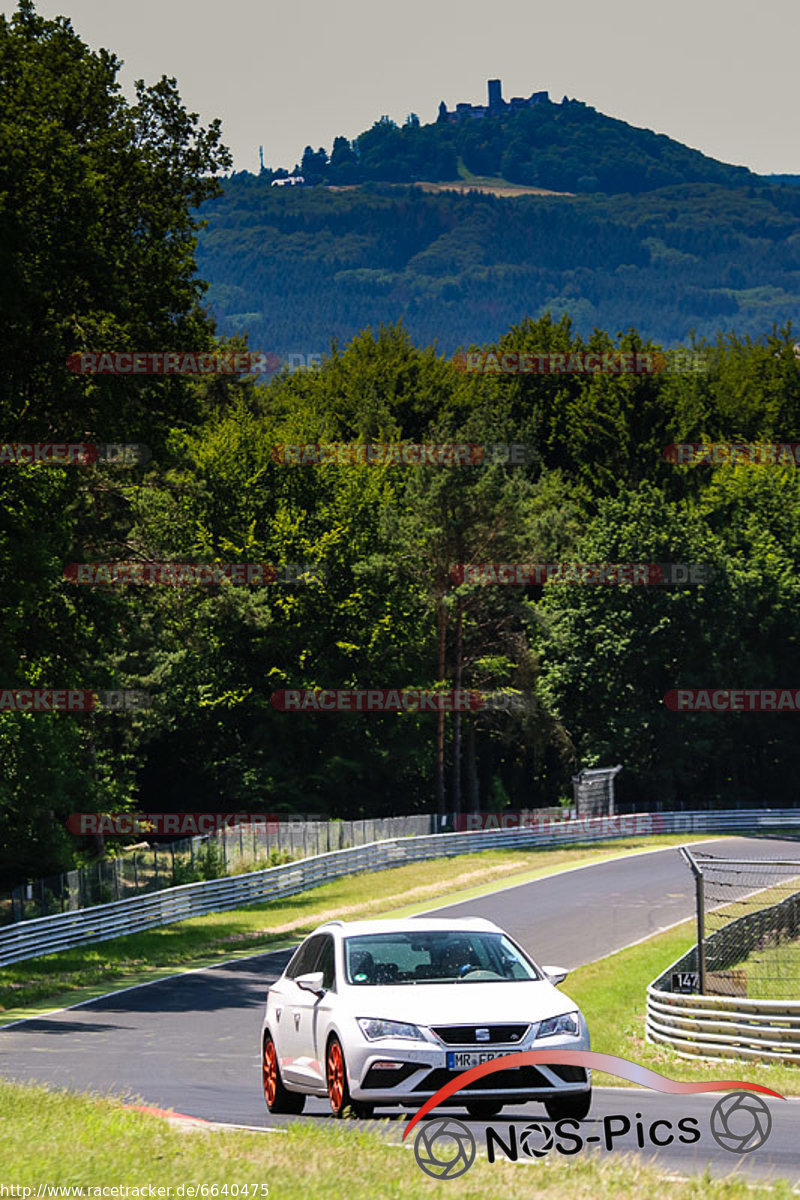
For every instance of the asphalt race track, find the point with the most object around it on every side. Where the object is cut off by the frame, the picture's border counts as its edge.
(191, 1043)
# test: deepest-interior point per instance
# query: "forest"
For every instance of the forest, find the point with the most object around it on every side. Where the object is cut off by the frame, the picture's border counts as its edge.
(99, 251)
(296, 267)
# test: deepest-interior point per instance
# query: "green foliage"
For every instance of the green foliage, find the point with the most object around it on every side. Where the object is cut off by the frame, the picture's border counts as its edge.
(298, 267)
(97, 234)
(210, 860)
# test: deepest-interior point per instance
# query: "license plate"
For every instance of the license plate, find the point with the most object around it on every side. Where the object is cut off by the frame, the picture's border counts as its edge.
(462, 1060)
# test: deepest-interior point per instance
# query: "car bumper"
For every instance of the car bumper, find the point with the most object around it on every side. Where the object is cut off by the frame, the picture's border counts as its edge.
(420, 1072)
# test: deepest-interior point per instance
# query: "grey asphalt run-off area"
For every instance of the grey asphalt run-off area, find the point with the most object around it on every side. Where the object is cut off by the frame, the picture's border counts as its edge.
(192, 1042)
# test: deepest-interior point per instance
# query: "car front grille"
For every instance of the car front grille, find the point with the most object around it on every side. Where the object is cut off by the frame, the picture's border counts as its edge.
(467, 1035)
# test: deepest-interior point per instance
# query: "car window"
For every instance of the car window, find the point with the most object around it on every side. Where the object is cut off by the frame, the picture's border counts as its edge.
(304, 958)
(468, 956)
(326, 963)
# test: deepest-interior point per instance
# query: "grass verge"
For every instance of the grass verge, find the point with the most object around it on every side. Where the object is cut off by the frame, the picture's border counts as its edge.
(772, 972)
(79, 974)
(611, 993)
(59, 1139)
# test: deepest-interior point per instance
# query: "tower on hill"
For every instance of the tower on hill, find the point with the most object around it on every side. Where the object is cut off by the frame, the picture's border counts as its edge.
(496, 105)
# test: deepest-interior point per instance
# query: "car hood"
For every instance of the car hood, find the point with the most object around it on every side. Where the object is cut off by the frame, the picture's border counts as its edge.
(461, 1003)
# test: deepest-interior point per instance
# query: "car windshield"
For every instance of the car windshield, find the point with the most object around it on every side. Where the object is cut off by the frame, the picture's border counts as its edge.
(438, 956)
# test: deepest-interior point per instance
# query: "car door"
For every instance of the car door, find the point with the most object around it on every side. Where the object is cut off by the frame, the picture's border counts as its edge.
(309, 1017)
(322, 1010)
(295, 1017)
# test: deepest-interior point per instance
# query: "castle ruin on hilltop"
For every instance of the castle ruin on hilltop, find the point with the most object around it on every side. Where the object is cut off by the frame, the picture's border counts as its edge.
(496, 104)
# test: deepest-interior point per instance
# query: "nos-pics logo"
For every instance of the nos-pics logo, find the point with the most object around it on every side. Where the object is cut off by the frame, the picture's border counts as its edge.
(445, 1148)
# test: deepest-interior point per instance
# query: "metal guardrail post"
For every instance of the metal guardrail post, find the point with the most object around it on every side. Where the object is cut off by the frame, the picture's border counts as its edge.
(700, 885)
(700, 904)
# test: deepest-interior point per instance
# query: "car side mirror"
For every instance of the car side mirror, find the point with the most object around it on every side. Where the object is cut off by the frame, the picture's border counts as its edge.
(556, 975)
(311, 982)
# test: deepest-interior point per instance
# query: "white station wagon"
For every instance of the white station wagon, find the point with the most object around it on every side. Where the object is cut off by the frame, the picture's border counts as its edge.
(382, 1013)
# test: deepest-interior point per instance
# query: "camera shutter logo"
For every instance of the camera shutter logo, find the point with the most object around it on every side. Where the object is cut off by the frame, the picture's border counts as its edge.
(741, 1122)
(444, 1148)
(528, 1138)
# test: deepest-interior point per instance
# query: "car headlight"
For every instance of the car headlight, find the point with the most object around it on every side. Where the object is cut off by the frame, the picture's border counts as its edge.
(374, 1028)
(568, 1023)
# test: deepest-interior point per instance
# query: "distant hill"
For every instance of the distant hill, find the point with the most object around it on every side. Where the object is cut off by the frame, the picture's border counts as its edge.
(497, 212)
(297, 266)
(566, 147)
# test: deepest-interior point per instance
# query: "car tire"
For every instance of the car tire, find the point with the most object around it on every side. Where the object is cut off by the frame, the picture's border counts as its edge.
(483, 1110)
(574, 1108)
(338, 1090)
(277, 1096)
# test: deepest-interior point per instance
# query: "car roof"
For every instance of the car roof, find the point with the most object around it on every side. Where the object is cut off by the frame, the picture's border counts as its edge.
(410, 925)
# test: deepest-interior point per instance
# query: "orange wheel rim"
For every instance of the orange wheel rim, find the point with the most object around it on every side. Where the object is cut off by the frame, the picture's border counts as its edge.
(335, 1076)
(270, 1072)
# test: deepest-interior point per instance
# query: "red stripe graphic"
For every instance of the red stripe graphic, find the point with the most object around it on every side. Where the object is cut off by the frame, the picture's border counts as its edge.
(610, 1063)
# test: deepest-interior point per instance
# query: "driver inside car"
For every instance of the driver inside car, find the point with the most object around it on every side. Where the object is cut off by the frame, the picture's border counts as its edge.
(457, 958)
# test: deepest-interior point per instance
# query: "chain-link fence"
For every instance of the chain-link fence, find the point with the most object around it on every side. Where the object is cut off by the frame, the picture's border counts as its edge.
(748, 913)
(231, 851)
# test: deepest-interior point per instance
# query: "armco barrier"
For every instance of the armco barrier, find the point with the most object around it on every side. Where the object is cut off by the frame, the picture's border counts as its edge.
(705, 1026)
(46, 935)
(721, 1026)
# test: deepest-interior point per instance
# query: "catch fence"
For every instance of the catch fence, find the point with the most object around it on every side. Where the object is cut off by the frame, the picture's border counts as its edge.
(45, 935)
(748, 921)
(736, 993)
(232, 850)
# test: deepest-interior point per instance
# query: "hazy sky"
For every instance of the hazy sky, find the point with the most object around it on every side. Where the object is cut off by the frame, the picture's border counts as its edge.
(719, 75)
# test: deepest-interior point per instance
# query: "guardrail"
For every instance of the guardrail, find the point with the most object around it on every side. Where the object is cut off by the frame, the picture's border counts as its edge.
(161, 864)
(727, 1026)
(62, 931)
(721, 1026)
